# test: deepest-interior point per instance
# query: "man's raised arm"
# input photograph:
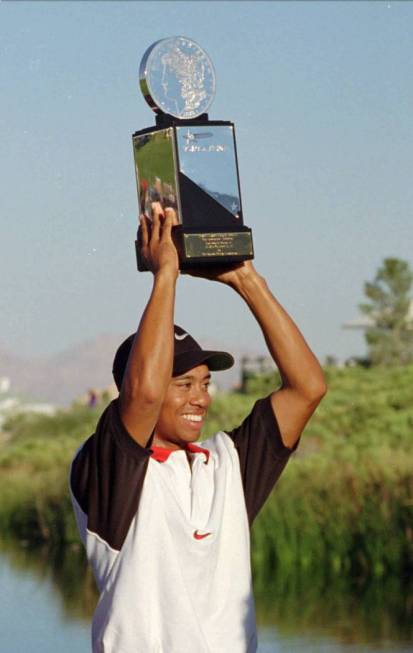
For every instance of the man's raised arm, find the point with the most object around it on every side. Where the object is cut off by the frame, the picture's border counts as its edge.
(303, 384)
(149, 367)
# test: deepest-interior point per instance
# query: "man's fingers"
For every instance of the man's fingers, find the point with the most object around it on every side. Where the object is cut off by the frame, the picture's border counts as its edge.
(169, 222)
(144, 230)
(157, 212)
(170, 211)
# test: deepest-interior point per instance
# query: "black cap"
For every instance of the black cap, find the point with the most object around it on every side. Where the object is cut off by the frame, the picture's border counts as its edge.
(187, 354)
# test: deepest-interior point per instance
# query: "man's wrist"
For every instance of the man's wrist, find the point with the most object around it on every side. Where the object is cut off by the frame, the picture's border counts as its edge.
(167, 274)
(246, 279)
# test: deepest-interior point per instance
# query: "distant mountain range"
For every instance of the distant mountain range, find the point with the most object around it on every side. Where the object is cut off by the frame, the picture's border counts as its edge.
(61, 378)
(66, 376)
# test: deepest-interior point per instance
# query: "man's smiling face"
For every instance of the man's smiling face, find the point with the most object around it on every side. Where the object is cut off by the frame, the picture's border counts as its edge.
(184, 409)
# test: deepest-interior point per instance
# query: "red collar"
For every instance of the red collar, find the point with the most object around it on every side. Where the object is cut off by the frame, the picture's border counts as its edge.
(161, 454)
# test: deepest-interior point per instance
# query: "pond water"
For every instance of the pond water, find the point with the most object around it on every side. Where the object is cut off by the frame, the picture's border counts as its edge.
(46, 606)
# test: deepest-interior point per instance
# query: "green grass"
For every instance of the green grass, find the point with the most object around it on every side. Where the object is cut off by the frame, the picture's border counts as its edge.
(344, 505)
(156, 155)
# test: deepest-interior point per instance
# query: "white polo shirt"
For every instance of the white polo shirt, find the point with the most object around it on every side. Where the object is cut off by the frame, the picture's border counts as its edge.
(168, 540)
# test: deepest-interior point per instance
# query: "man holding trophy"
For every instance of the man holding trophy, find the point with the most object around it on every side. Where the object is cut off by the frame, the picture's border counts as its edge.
(165, 521)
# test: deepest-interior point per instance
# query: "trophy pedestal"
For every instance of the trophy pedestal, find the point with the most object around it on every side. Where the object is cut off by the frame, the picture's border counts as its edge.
(199, 248)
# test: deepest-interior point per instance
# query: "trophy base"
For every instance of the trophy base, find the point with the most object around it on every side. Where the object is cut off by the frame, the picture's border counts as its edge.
(199, 248)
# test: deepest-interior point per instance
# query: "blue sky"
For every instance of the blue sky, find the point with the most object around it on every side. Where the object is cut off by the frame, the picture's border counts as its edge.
(321, 96)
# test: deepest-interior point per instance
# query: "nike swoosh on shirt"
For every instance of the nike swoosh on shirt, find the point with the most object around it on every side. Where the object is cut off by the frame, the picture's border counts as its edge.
(200, 536)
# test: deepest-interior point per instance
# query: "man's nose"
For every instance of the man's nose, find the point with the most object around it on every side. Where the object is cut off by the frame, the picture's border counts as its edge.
(199, 397)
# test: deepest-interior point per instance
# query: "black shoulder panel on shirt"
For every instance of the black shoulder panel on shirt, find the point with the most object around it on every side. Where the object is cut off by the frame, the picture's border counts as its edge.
(107, 478)
(262, 454)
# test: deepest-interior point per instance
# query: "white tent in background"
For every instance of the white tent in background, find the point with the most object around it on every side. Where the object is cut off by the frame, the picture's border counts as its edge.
(364, 321)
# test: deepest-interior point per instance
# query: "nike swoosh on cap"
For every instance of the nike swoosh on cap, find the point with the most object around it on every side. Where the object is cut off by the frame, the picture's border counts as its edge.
(200, 536)
(181, 337)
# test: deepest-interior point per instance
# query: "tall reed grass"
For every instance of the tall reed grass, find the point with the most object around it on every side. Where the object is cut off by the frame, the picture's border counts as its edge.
(344, 505)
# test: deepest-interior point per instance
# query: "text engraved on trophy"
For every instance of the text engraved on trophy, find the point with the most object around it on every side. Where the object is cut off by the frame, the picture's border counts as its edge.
(218, 244)
(193, 143)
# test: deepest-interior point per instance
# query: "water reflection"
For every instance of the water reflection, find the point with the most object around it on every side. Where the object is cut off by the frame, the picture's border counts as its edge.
(66, 570)
(354, 613)
(349, 613)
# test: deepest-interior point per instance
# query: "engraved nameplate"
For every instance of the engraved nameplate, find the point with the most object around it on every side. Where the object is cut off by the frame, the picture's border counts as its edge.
(218, 244)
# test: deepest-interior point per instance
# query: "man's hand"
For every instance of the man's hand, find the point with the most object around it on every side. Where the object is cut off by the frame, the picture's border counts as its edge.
(158, 249)
(231, 275)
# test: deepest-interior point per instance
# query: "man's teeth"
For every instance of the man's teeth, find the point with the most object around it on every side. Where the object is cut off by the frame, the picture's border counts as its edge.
(193, 418)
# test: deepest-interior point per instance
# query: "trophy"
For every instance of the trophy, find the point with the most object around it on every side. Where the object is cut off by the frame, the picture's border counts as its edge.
(187, 161)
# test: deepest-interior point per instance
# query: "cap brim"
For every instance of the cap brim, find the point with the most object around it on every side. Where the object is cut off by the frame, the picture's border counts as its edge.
(216, 361)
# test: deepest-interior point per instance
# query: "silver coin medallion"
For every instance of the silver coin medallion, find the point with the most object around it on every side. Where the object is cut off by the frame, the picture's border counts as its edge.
(177, 77)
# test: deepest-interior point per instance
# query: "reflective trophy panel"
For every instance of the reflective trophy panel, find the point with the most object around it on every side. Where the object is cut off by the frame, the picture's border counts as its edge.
(207, 157)
(155, 169)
